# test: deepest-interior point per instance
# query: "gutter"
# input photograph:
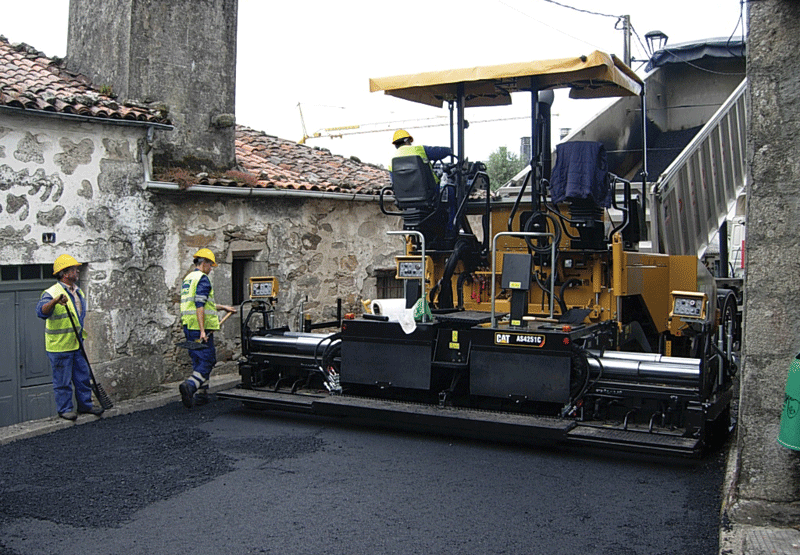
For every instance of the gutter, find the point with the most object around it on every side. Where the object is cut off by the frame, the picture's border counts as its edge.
(163, 186)
(88, 119)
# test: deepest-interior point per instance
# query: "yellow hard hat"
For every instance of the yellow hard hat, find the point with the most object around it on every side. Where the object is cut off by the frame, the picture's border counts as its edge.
(64, 261)
(401, 134)
(206, 253)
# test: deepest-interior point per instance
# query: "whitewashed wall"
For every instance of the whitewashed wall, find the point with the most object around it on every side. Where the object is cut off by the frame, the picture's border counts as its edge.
(85, 182)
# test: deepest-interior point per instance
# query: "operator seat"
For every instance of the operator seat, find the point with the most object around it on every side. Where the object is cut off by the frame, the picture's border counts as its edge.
(417, 195)
(414, 186)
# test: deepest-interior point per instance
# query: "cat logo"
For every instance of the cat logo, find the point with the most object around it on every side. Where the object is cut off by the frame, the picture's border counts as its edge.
(519, 339)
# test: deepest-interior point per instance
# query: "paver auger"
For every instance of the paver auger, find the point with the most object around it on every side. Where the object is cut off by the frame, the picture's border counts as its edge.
(547, 324)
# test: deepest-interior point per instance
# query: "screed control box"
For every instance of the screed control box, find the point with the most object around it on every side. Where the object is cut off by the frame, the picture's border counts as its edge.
(410, 267)
(263, 287)
(689, 305)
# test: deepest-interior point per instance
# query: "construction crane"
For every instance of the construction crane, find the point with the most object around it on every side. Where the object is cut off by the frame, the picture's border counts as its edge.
(383, 126)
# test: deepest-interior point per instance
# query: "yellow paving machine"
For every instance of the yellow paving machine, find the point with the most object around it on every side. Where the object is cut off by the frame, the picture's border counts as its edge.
(530, 314)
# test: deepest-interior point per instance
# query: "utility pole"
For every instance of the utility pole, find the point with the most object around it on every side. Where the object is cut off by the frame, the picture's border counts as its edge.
(626, 34)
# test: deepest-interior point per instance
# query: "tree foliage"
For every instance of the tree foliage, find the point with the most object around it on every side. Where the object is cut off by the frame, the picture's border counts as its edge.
(502, 166)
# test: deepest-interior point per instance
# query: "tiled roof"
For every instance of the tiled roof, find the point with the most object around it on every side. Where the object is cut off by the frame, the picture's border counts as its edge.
(30, 80)
(281, 164)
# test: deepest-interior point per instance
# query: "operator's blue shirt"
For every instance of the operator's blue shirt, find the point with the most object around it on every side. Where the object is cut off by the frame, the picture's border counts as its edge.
(437, 152)
(202, 292)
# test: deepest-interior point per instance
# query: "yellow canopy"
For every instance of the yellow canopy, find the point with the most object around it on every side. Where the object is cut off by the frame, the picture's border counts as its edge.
(597, 75)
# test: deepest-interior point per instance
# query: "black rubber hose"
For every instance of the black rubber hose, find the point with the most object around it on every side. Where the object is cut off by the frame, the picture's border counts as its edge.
(446, 290)
(568, 283)
(460, 286)
(556, 232)
(330, 339)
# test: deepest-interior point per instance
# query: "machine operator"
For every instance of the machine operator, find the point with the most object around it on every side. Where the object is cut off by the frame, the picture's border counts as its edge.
(403, 142)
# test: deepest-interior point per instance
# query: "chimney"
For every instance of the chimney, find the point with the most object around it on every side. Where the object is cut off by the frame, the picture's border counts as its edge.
(179, 55)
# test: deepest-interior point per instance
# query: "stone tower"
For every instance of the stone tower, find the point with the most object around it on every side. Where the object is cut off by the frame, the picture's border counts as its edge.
(179, 54)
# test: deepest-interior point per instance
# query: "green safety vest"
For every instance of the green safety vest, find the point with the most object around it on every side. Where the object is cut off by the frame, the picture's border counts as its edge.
(188, 308)
(414, 150)
(409, 150)
(59, 335)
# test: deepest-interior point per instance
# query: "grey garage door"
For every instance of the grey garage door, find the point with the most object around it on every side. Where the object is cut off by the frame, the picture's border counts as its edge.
(26, 390)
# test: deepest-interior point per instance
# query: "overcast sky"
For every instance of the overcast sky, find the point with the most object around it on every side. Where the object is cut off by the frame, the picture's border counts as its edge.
(321, 54)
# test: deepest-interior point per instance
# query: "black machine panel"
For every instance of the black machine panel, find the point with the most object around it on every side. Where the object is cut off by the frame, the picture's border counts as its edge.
(380, 353)
(501, 365)
(507, 374)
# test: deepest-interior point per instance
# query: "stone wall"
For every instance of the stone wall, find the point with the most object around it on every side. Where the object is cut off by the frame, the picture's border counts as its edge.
(178, 56)
(319, 250)
(769, 475)
(86, 183)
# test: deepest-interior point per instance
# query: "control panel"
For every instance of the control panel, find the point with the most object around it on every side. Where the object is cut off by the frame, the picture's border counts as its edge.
(689, 305)
(263, 287)
(410, 267)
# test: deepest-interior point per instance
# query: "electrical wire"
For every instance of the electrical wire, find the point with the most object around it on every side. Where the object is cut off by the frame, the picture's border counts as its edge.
(739, 21)
(697, 67)
(580, 9)
(556, 29)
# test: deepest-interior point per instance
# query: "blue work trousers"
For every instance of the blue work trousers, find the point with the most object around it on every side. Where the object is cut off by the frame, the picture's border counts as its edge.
(203, 360)
(70, 369)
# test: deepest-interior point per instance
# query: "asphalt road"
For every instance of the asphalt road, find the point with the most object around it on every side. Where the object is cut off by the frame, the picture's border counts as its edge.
(222, 479)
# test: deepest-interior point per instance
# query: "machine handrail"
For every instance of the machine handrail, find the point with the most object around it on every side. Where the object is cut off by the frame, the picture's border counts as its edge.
(422, 278)
(523, 234)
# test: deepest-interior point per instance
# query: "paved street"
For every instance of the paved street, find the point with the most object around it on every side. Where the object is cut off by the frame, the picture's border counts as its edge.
(221, 479)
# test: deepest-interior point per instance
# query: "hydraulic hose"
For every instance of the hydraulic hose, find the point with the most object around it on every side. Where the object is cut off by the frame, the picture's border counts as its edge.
(460, 288)
(585, 354)
(569, 283)
(445, 287)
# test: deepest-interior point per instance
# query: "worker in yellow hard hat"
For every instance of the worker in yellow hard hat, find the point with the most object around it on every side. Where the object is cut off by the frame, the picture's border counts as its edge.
(199, 320)
(403, 143)
(62, 306)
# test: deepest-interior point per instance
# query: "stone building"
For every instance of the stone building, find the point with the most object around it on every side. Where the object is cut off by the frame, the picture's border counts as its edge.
(767, 489)
(79, 173)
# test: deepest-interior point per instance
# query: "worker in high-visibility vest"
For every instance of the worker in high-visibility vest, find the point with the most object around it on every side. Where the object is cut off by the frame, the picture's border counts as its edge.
(199, 320)
(69, 365)
(403, 143)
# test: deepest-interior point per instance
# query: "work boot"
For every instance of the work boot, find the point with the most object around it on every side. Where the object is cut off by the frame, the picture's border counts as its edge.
(202, 398)
(97, 411)
(187, 390)
(71, 415)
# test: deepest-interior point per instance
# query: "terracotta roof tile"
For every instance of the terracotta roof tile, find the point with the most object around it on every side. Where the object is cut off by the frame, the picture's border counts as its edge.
(30, 80)
(282, 164)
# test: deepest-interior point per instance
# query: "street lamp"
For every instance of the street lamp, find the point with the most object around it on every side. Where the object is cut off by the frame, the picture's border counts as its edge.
(656, 40)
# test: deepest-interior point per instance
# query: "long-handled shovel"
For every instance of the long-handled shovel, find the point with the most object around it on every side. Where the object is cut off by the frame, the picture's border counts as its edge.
(102, 396)
(197, 344)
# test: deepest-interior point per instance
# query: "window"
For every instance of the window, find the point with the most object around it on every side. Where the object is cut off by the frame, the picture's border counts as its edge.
(26, 272)
(244, 265)
(387, 285)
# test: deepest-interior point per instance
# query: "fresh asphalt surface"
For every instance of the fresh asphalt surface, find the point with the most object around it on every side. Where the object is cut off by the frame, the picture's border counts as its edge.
(223, 479)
